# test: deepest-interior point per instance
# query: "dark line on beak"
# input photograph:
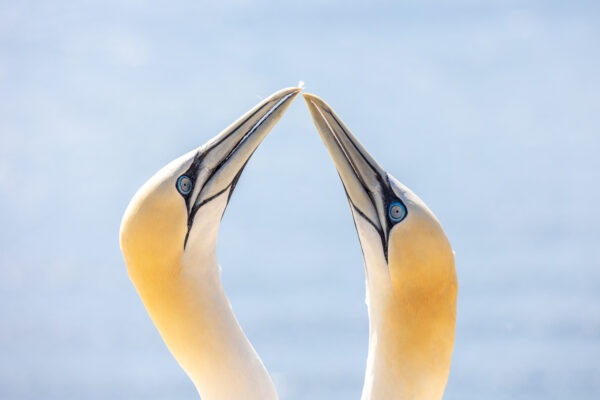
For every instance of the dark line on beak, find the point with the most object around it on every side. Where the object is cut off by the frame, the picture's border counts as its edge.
(197, 207)
(213, 171)
(361, 180)
(356, 170)
(220, 140)
(379, 231)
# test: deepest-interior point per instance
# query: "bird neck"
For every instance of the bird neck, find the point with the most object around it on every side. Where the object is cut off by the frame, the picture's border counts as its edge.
(194, 317)
(411, 338)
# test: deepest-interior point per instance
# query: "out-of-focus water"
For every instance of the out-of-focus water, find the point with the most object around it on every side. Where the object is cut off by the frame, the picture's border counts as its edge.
(487, 110)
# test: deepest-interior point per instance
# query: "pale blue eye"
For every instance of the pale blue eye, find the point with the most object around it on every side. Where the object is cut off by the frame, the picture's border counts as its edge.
(397, 211)
(184, 184)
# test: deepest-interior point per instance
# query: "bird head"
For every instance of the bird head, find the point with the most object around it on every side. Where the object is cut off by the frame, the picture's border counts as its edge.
(406, 251)
(176, 214)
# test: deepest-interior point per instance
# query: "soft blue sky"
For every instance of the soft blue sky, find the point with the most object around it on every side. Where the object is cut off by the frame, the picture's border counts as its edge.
(486, 109)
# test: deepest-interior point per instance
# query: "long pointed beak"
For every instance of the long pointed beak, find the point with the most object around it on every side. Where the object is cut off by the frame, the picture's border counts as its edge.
(364, 180)
(223, 158)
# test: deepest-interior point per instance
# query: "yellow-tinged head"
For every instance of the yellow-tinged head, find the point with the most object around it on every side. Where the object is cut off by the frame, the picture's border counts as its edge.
(154, 226)
(168, 238)
(420, 258)
(176, 214)
(409, 263)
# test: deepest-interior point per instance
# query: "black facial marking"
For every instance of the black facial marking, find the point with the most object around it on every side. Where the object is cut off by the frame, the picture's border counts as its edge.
(192, 173)
(389, 198)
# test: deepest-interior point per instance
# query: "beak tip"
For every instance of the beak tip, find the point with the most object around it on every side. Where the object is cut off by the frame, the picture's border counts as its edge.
(315, 101)
(308, 96)
(292, 93)
(288, 93)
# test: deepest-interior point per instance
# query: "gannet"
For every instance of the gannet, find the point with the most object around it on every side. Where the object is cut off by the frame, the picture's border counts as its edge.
(168, 238)
(411, 280)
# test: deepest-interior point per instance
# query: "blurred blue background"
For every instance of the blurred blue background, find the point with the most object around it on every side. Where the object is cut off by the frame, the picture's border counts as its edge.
(489, 110)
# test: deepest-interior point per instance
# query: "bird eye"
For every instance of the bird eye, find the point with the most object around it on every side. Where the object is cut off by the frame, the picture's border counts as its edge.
(397, 211)
(184, 184)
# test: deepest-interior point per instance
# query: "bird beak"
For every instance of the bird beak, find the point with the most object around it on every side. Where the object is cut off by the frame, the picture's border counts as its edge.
(223, 158)
(364, 180)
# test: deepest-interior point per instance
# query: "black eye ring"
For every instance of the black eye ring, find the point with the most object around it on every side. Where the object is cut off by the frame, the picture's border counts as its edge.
(184, 184)
(397, 211)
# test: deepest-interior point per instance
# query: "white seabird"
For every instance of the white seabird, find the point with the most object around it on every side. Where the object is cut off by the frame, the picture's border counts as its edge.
(410, 274)
(168, 238)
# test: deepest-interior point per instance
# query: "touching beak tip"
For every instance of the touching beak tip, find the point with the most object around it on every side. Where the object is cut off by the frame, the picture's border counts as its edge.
(291, 92)
(311, 99)
(285, 97)
(315, 106)
(280, 102)
(308, 100)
